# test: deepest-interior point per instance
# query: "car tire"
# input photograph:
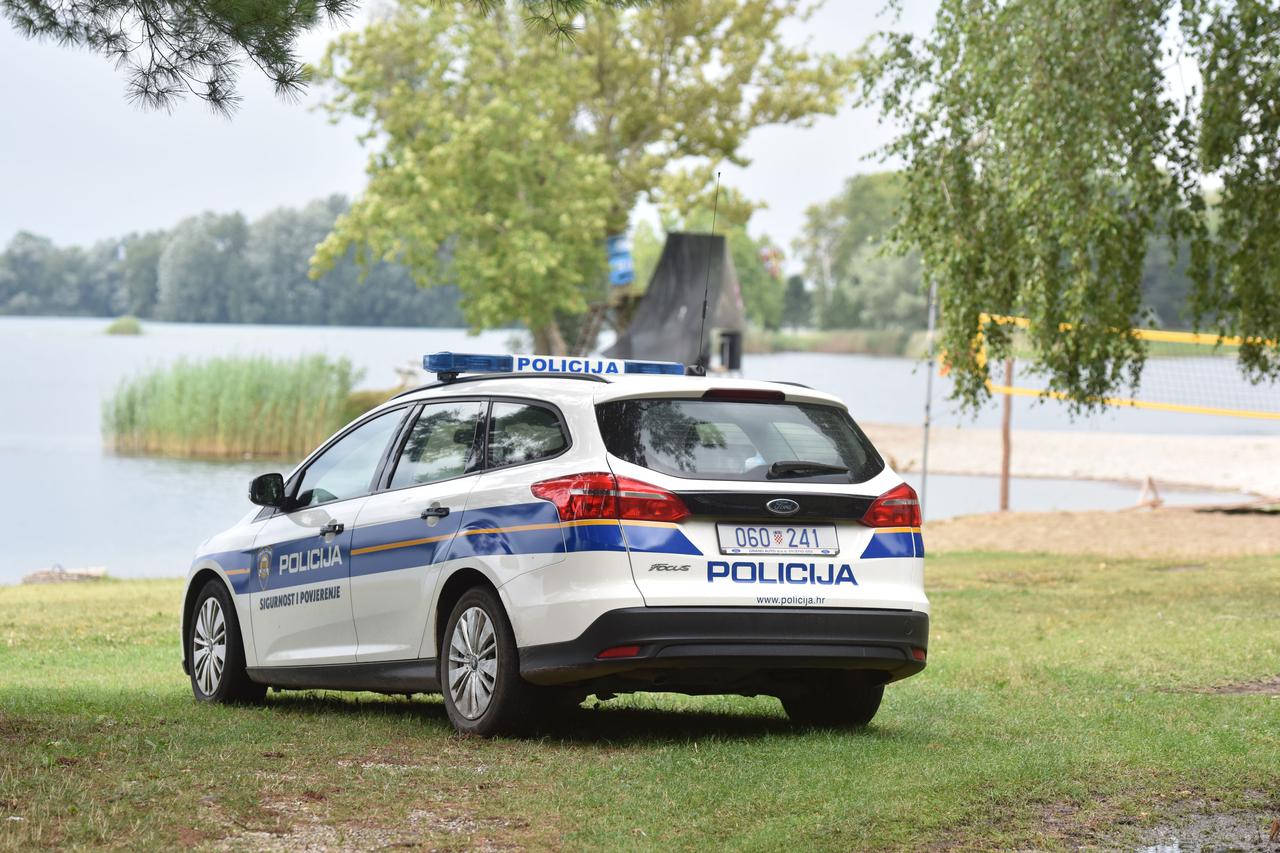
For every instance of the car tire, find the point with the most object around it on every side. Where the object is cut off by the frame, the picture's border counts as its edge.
(215, 650)
(484, 694)
(834, 706)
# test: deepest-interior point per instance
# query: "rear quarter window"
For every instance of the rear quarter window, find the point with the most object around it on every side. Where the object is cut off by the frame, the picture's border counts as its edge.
(737, 440)
(520, 433)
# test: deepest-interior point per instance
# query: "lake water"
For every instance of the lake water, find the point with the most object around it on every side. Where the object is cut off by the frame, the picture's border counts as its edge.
(71, 504)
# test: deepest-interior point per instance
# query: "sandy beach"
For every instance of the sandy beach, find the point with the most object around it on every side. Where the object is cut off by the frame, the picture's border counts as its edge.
(1163, 534)
(1243, 463)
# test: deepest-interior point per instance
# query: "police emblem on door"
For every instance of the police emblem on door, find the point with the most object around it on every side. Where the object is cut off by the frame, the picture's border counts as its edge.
(264, 567)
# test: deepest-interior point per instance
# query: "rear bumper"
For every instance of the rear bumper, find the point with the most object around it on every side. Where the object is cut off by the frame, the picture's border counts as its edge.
(731, 649)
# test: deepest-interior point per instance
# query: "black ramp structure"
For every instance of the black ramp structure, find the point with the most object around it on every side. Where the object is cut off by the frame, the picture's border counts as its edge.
(667, 320)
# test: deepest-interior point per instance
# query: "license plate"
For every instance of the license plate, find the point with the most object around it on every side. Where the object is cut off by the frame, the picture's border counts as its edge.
(778, 539)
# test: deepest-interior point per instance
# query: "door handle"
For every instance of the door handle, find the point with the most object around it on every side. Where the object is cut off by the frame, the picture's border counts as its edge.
(434, 512)
(334, 527)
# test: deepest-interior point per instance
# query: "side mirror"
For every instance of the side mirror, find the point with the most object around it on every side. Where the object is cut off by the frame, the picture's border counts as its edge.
(267, 490)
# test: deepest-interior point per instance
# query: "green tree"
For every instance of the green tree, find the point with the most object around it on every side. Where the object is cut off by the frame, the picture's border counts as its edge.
(883, 290)
(481, 180)
(762, 291)
(1166, 287)
(277, 257)
(646, 250)
(862, 279)
(797, 304)
(29, 274)
(846, 244)
(863, 214)
(201, 272)
(521, 153)
(220, 268)
(139, 263)
(37, 277)
(1045, 147)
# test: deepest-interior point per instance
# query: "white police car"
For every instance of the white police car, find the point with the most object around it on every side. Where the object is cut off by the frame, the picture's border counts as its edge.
(548, 528)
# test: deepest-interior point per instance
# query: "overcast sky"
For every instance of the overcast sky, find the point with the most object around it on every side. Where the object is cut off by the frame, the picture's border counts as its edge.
(79, 163)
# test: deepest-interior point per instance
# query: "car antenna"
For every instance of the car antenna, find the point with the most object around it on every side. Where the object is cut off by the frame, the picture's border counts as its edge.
(700, 368)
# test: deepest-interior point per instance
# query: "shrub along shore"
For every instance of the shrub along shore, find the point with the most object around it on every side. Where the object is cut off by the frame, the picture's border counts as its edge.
(891, 342)
(234, 407)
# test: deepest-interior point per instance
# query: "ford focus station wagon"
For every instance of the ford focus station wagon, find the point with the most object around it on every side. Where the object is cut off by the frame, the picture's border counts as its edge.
(530, 531)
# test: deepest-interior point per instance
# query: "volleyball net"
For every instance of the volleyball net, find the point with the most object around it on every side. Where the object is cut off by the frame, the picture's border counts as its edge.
(1185, 372)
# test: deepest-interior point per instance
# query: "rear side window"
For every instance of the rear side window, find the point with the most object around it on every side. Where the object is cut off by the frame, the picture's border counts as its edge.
(739, 440)
(521, 432)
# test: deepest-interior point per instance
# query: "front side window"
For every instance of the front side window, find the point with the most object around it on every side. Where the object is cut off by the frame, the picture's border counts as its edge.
(739, 440)
(442, 444)
(345, 470)
(520, 432)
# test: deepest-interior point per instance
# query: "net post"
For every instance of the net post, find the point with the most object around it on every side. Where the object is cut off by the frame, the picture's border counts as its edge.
(932, 310)
(1005, 436)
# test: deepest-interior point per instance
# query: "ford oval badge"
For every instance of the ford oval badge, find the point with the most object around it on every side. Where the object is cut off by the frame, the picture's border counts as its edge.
(782, 506)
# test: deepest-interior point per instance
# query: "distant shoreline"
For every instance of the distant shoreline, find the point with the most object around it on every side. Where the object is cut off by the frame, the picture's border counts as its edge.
(884, 342)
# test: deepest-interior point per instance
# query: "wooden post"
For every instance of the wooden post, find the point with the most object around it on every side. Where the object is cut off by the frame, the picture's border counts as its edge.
(1005, 444)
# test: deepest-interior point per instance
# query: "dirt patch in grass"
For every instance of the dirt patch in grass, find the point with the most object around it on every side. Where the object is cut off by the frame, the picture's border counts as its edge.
(1170, 827)
(1196, 830)
(22, 730)
(305, 826)
(1181, 534)
(454, 817)
(1265, 687)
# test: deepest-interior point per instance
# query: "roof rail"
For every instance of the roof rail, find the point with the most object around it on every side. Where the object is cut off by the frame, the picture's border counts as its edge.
(484, 377)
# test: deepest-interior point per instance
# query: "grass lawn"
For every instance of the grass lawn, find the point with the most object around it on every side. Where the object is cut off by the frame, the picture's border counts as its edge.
(1057, 710)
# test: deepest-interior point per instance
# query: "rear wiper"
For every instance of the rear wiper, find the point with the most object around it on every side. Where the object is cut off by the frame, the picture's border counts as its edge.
(800, 468)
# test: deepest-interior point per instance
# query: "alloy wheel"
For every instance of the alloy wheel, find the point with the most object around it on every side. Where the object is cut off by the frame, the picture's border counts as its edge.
(209, 646)
(473, 663)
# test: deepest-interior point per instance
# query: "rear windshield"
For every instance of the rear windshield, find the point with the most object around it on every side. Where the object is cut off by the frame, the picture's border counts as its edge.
(739, 440)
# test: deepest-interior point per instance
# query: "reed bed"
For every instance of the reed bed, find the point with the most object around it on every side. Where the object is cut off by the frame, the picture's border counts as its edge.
(231, 407)
(126, 325)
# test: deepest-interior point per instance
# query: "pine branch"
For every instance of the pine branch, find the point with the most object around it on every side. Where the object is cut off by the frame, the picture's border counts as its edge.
(172, 48)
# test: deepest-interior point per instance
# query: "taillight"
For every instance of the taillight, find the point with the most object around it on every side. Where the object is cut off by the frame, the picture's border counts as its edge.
(602, 495)
(580, 495)
(643, 502)
(898, 507)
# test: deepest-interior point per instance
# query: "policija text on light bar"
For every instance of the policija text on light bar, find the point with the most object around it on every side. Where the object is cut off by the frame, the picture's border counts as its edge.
(452, 364)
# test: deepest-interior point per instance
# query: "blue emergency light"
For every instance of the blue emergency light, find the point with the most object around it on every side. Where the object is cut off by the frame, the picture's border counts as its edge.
(449, 364)
(457, 362)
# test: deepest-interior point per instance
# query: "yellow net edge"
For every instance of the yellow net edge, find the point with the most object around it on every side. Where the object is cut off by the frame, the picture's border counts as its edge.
(1162, 335)
(1194, 338)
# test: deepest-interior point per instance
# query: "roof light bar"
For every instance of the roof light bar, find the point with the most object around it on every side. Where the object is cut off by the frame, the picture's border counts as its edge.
(456, 362)
(449, 364)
